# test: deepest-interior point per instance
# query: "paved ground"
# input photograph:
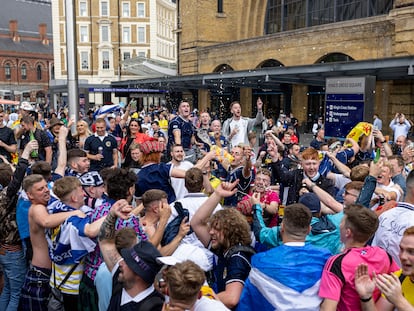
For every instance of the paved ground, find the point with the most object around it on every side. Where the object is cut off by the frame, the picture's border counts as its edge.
(305, 139)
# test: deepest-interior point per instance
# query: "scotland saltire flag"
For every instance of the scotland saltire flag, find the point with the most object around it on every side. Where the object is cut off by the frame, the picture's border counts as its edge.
(106, 109)
(284, 278)
(68, 243)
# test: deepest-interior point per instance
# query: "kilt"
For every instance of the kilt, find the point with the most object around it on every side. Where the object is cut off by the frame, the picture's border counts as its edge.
(36, 290)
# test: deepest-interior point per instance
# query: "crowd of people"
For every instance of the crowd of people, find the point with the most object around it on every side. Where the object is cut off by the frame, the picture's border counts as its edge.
(177, 210)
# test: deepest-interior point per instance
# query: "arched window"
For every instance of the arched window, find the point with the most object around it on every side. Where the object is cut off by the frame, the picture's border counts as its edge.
(23, 71)
(223, 68)
(335, 57)
(39, 72)
(7, 71)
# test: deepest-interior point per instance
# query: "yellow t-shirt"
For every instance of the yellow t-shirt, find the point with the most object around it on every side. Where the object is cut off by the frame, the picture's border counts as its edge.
(407, 287)
(163, 124)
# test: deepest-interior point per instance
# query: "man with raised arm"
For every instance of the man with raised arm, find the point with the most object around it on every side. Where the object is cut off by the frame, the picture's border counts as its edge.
(237, 127)
(133, 270)
(227, 234)
(36, 289)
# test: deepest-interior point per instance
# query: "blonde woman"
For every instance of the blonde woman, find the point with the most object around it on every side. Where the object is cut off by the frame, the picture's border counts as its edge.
(82, 132)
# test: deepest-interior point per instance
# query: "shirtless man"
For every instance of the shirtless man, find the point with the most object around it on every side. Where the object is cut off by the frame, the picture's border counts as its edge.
(36, 289)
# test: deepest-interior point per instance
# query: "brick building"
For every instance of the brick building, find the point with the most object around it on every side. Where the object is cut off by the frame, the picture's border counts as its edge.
(284, 50)
(26, 51)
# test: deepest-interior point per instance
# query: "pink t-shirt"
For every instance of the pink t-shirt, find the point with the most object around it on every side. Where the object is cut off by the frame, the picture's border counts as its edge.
(338, 276)
(269, 197)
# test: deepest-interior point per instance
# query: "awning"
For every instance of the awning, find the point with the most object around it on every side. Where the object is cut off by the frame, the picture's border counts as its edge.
(148, 67)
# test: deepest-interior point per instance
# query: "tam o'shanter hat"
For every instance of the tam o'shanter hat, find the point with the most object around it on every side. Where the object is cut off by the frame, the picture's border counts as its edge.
(152, 146)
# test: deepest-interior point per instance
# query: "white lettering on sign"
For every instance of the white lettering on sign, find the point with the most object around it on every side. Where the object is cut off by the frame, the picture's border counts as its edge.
(345, 85)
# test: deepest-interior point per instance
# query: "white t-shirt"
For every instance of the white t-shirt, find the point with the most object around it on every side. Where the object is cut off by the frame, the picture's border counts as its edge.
(392, 226)
(178, 184)
(192, 203)
(207, 304)
(241, 136)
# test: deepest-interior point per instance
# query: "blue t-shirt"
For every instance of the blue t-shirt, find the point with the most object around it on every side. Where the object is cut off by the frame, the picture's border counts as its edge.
(243, 186)
(233, 269)
(186, 128)
(155, 176)
(92, 145)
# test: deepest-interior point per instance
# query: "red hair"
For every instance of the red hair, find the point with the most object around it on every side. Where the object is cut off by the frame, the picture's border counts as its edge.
(310, 154)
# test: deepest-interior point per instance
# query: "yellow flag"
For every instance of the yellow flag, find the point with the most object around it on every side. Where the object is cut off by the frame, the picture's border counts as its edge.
(362, 128)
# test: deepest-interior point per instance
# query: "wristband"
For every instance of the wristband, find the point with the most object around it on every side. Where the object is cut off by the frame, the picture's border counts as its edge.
(365, 299)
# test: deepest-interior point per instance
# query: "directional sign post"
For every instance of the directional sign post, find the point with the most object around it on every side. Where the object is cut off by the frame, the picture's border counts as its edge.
(348, 101)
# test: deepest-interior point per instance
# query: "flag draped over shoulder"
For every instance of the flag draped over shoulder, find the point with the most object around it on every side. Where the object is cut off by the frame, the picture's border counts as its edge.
(68, 243)
(285, 278)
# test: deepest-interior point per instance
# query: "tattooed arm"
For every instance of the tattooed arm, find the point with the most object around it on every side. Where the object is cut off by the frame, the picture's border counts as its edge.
(107, 233)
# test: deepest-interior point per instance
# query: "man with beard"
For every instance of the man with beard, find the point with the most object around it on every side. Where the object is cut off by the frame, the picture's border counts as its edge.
(181, 131)
(77, 163)
(237, 127)
(134, 268)
(227, 233)
(178, 161)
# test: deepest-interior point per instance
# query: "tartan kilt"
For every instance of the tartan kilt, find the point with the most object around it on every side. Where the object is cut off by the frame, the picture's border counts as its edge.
(36, 290)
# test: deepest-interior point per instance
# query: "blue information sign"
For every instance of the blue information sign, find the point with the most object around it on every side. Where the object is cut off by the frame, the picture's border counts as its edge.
(346, 105)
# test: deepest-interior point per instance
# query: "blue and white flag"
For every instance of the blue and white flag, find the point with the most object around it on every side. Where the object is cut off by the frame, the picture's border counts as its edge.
(68, 243)
(284, 278)
(106, 109)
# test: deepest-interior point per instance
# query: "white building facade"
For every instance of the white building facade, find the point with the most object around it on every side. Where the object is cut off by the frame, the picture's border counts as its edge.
(116, 40)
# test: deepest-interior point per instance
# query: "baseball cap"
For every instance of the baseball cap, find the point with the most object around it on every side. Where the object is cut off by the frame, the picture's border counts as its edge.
(91, 178)
(25, 105)
(311, 201)
(188, 252)
(142, 259)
